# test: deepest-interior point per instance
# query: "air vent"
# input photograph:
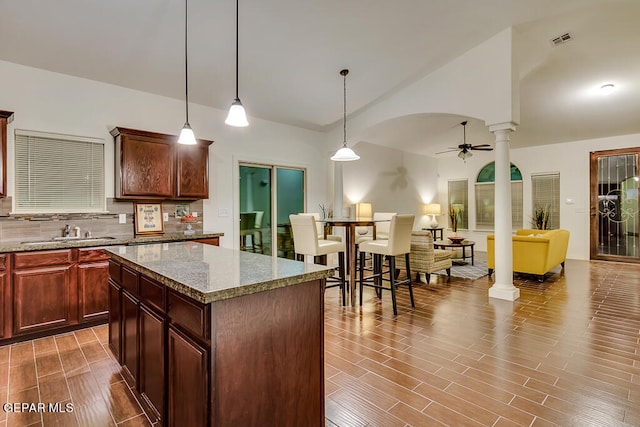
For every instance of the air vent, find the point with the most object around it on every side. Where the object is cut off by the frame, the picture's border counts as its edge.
(561, 39)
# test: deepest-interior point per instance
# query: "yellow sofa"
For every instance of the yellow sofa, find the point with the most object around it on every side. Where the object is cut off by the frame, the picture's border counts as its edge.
(534, 251)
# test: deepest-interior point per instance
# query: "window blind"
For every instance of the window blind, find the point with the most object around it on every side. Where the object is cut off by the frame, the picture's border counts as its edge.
(459, 195)
(485, 205)
(58, 173)
(545, 192)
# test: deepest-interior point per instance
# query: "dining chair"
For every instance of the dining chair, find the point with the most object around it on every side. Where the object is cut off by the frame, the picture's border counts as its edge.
(382, 227)
(247, 229)
(397, 244)
(320, 227)
(306, 242)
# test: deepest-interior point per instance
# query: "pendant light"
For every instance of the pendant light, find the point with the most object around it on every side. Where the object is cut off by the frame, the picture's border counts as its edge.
(344, 154)
(237, 116)
(186, 134)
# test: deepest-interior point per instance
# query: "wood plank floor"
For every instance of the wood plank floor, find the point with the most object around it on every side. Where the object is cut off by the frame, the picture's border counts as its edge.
(566, 353)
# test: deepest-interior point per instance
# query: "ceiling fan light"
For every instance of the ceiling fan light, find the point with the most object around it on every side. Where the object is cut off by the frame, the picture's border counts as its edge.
(345, 154)
(237, 116)
(187, 137)
(464, 155)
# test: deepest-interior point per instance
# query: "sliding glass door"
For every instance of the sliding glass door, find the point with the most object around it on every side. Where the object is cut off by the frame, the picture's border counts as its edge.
(264, 225)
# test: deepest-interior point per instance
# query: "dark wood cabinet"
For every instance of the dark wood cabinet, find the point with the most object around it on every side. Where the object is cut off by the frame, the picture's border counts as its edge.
(44, 291)
(115, 315)
(152, 363)
(222, 364)
(5, 118)
(129, 338)
(152, 165)
(93, 288)
(188, 375)
(5, 297)
(210, 241)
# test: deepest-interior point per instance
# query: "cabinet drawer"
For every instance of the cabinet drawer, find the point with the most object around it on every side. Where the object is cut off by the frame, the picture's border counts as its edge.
(42, 258)
(129, 280)
(3, 261)
(86, 255)
(190, 315)
(152, 293)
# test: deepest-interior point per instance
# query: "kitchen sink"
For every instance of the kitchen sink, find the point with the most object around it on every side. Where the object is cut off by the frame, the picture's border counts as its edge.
(65, 240)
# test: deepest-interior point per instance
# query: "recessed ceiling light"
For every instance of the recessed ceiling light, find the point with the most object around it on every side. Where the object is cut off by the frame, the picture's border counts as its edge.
(607, 89)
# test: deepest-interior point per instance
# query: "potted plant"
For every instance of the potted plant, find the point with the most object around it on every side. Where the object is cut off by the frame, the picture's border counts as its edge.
(455, 216)
(540, 218)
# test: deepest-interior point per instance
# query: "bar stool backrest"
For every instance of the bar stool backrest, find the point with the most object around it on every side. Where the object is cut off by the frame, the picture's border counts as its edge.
(305, 234)
(400, 234)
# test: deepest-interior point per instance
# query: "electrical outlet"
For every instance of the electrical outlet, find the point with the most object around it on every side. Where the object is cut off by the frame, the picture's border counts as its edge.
(165, 216)
(122, 218)
(223, 212)
(195, 214)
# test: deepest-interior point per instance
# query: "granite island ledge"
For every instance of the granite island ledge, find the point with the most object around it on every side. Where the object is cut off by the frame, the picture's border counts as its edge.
(209, 273)
(28, 246)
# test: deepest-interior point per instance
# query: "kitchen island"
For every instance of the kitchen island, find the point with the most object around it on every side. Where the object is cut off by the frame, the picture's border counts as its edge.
(209, 336)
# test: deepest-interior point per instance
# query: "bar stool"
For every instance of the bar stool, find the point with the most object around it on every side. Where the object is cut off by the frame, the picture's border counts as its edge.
(399, 243)
(306, 242)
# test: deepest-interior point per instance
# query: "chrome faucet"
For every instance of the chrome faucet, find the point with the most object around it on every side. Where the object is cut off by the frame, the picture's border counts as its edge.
(67, 231)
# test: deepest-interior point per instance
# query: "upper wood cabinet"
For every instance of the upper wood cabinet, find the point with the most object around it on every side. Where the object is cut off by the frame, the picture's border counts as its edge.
(5, 118)
(154, 166)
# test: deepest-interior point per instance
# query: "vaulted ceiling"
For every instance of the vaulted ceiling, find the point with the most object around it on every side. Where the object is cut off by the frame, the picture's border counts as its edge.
(291, 52)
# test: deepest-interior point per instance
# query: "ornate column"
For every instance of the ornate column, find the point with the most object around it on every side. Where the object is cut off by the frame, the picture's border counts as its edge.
(503, 287)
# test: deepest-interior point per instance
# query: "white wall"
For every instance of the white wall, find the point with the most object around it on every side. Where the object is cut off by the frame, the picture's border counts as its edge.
(57, 103)
(570, 159)
(392, 180)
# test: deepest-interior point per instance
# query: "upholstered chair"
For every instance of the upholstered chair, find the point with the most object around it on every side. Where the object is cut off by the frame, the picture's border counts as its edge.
(397, 244)
(306, 242)
(424, 258)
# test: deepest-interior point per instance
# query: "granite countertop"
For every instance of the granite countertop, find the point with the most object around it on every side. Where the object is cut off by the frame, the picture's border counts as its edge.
(100, 242)
(209, 273)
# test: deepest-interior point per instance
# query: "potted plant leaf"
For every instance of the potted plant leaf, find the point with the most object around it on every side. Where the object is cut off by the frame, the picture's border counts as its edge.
(540, 218)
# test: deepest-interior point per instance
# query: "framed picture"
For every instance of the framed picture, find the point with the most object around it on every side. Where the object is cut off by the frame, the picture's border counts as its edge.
(148, 218)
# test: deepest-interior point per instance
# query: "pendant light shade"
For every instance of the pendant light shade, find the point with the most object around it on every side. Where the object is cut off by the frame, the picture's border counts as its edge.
(187, 136)
(344, 154)
(237, 116)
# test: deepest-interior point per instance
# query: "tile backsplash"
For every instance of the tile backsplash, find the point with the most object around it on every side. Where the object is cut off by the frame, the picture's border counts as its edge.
(22, 227)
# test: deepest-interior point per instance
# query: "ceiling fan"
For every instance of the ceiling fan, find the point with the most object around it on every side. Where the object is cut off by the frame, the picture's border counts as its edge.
(465, 149)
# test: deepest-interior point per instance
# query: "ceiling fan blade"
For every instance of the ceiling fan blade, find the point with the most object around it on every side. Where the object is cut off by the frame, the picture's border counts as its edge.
(481, 145)
(447, 151)
(481, 149)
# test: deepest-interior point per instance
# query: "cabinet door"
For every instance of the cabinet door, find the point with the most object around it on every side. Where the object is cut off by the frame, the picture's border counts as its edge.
(129, 339)
(192, 172)
(44, 298)
(5, 117)
(152, 362)
(146, 167)
(188, 379)
(5, 297)
(93, 288)
(115, 319)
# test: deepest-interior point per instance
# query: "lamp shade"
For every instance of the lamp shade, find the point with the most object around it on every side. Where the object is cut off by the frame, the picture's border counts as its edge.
(186, 136)
(345, 154)
(237, 116)
(364, 211)
(432, 209)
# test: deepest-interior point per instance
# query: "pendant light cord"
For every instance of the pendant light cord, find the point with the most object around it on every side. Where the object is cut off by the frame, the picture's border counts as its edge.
(344, 111)
(186, 65)
(237, 33)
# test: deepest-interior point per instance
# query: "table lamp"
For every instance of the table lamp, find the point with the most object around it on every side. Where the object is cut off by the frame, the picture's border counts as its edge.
(433, 209)
(364, 211)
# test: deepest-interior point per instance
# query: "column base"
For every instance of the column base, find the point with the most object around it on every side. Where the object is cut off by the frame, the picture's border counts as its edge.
(508, 294)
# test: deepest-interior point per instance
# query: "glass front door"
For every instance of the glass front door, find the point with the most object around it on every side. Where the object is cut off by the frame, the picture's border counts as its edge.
(614, 205)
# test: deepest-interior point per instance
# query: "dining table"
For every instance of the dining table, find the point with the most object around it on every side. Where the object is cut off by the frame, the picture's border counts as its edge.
(350, 226)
